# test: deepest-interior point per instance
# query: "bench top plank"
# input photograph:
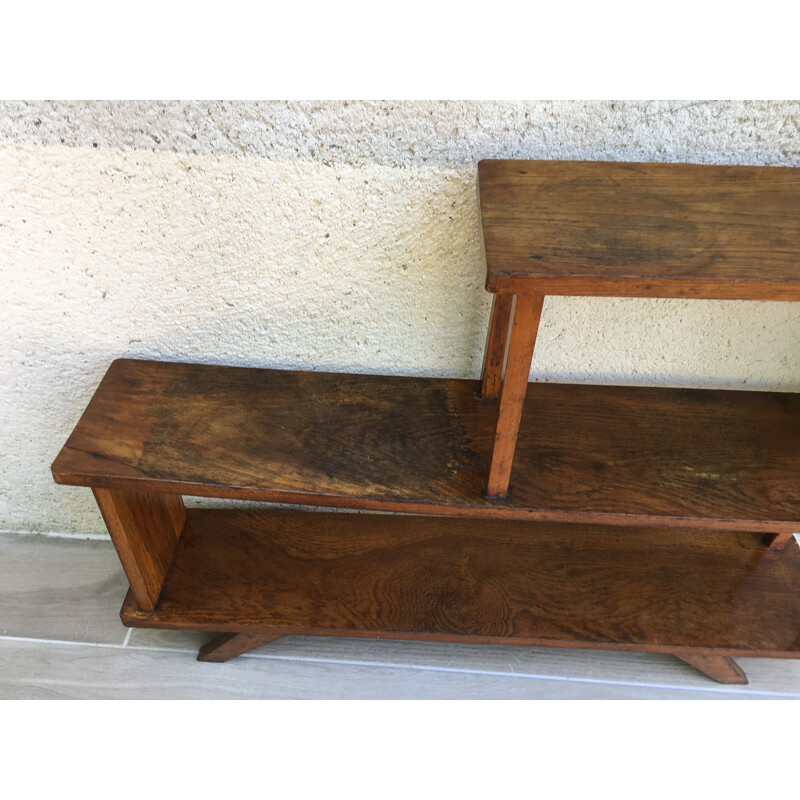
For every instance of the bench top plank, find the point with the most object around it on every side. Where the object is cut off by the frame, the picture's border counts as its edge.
(641, 230)
(596, 454)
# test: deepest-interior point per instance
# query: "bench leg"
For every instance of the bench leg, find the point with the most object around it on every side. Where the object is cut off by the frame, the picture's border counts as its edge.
(496, 341)
(229, 645)
(777, 541)
(527, 313)
(722, 669)
(145, 528)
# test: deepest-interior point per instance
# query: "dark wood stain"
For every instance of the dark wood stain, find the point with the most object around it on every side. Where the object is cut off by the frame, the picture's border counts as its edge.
(627, 229)
(230, 645)
(596, 454)
(404, 576)
(704, 465)
(368, 429)
(495, 351)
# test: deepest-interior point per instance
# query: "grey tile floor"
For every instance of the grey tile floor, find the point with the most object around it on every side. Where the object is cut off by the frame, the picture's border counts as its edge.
(60, 637)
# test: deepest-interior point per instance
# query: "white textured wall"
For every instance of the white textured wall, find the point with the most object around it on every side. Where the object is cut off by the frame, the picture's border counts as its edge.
(338, 236)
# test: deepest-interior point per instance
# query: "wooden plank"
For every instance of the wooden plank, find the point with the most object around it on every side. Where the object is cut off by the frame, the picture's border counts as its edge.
(145, 527)
(596, 454)
(228, 646)
(483, 581)
(641, 230)
(496, 341)
(527, 313)
(68, 589)
(721, 669)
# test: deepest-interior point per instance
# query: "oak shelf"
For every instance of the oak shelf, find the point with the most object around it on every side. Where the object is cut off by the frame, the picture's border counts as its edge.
(612, 517)
(613, 229)
(422, 577)
(724, 460)
(605, 229)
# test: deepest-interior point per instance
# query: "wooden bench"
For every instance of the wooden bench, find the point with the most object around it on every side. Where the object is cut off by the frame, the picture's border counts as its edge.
(606, 229)
(648, 519)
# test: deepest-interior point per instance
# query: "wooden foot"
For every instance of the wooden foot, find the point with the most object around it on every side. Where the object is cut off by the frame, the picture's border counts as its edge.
(496, 340)
(527, 313)
(721, 669)
(777, 541)
(226, 646)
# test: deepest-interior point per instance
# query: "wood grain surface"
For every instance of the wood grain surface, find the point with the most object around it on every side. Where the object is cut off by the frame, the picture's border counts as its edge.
(228, 646)
(641, 230)
(496, 340)
(405, 576)
(144, 527)
(722, 669)
(597, 454)
(527, 313)
(69, 589)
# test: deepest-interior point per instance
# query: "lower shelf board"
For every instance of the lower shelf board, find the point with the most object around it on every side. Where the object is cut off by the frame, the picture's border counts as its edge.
(493, 581)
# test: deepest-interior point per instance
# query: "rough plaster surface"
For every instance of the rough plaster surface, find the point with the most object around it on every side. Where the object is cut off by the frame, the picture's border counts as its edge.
(339, 236)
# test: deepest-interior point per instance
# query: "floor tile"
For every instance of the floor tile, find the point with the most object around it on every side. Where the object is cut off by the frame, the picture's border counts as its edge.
(64, 589)
(34, 670)
(644, 669)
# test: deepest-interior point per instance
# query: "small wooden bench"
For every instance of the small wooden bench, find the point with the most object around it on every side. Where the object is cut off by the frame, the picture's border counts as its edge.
(608, 229)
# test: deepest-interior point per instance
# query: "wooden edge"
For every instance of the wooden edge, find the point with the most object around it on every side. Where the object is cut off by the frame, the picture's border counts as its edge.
(522, 341)
(493, 511)
(496, 345)
(778, 541)
(638, 286)
(134, 617)
(226, 646)
(722, 669)
(145, 528)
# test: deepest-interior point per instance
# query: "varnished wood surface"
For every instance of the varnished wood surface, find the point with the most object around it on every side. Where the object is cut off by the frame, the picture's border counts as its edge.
(721, 669)
(496, 340)
(600, 454)
(437, 578)
(228, 646)
(69, 589)
(527, 313)
(641, 230)
(144, 526)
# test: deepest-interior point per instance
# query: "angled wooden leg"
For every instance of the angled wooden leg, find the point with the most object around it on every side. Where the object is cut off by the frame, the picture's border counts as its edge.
(496, 340)
(229, 645)
(777, 541)
(145, 528)
(722, 669)
(527, 313)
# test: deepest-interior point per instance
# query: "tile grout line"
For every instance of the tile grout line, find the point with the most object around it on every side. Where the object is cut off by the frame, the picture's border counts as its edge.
(70, 537)
(530, 675)
(420, 667)
(32, 640)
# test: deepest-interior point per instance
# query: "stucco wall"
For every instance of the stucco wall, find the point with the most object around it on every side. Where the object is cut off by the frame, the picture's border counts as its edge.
(337, 236)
